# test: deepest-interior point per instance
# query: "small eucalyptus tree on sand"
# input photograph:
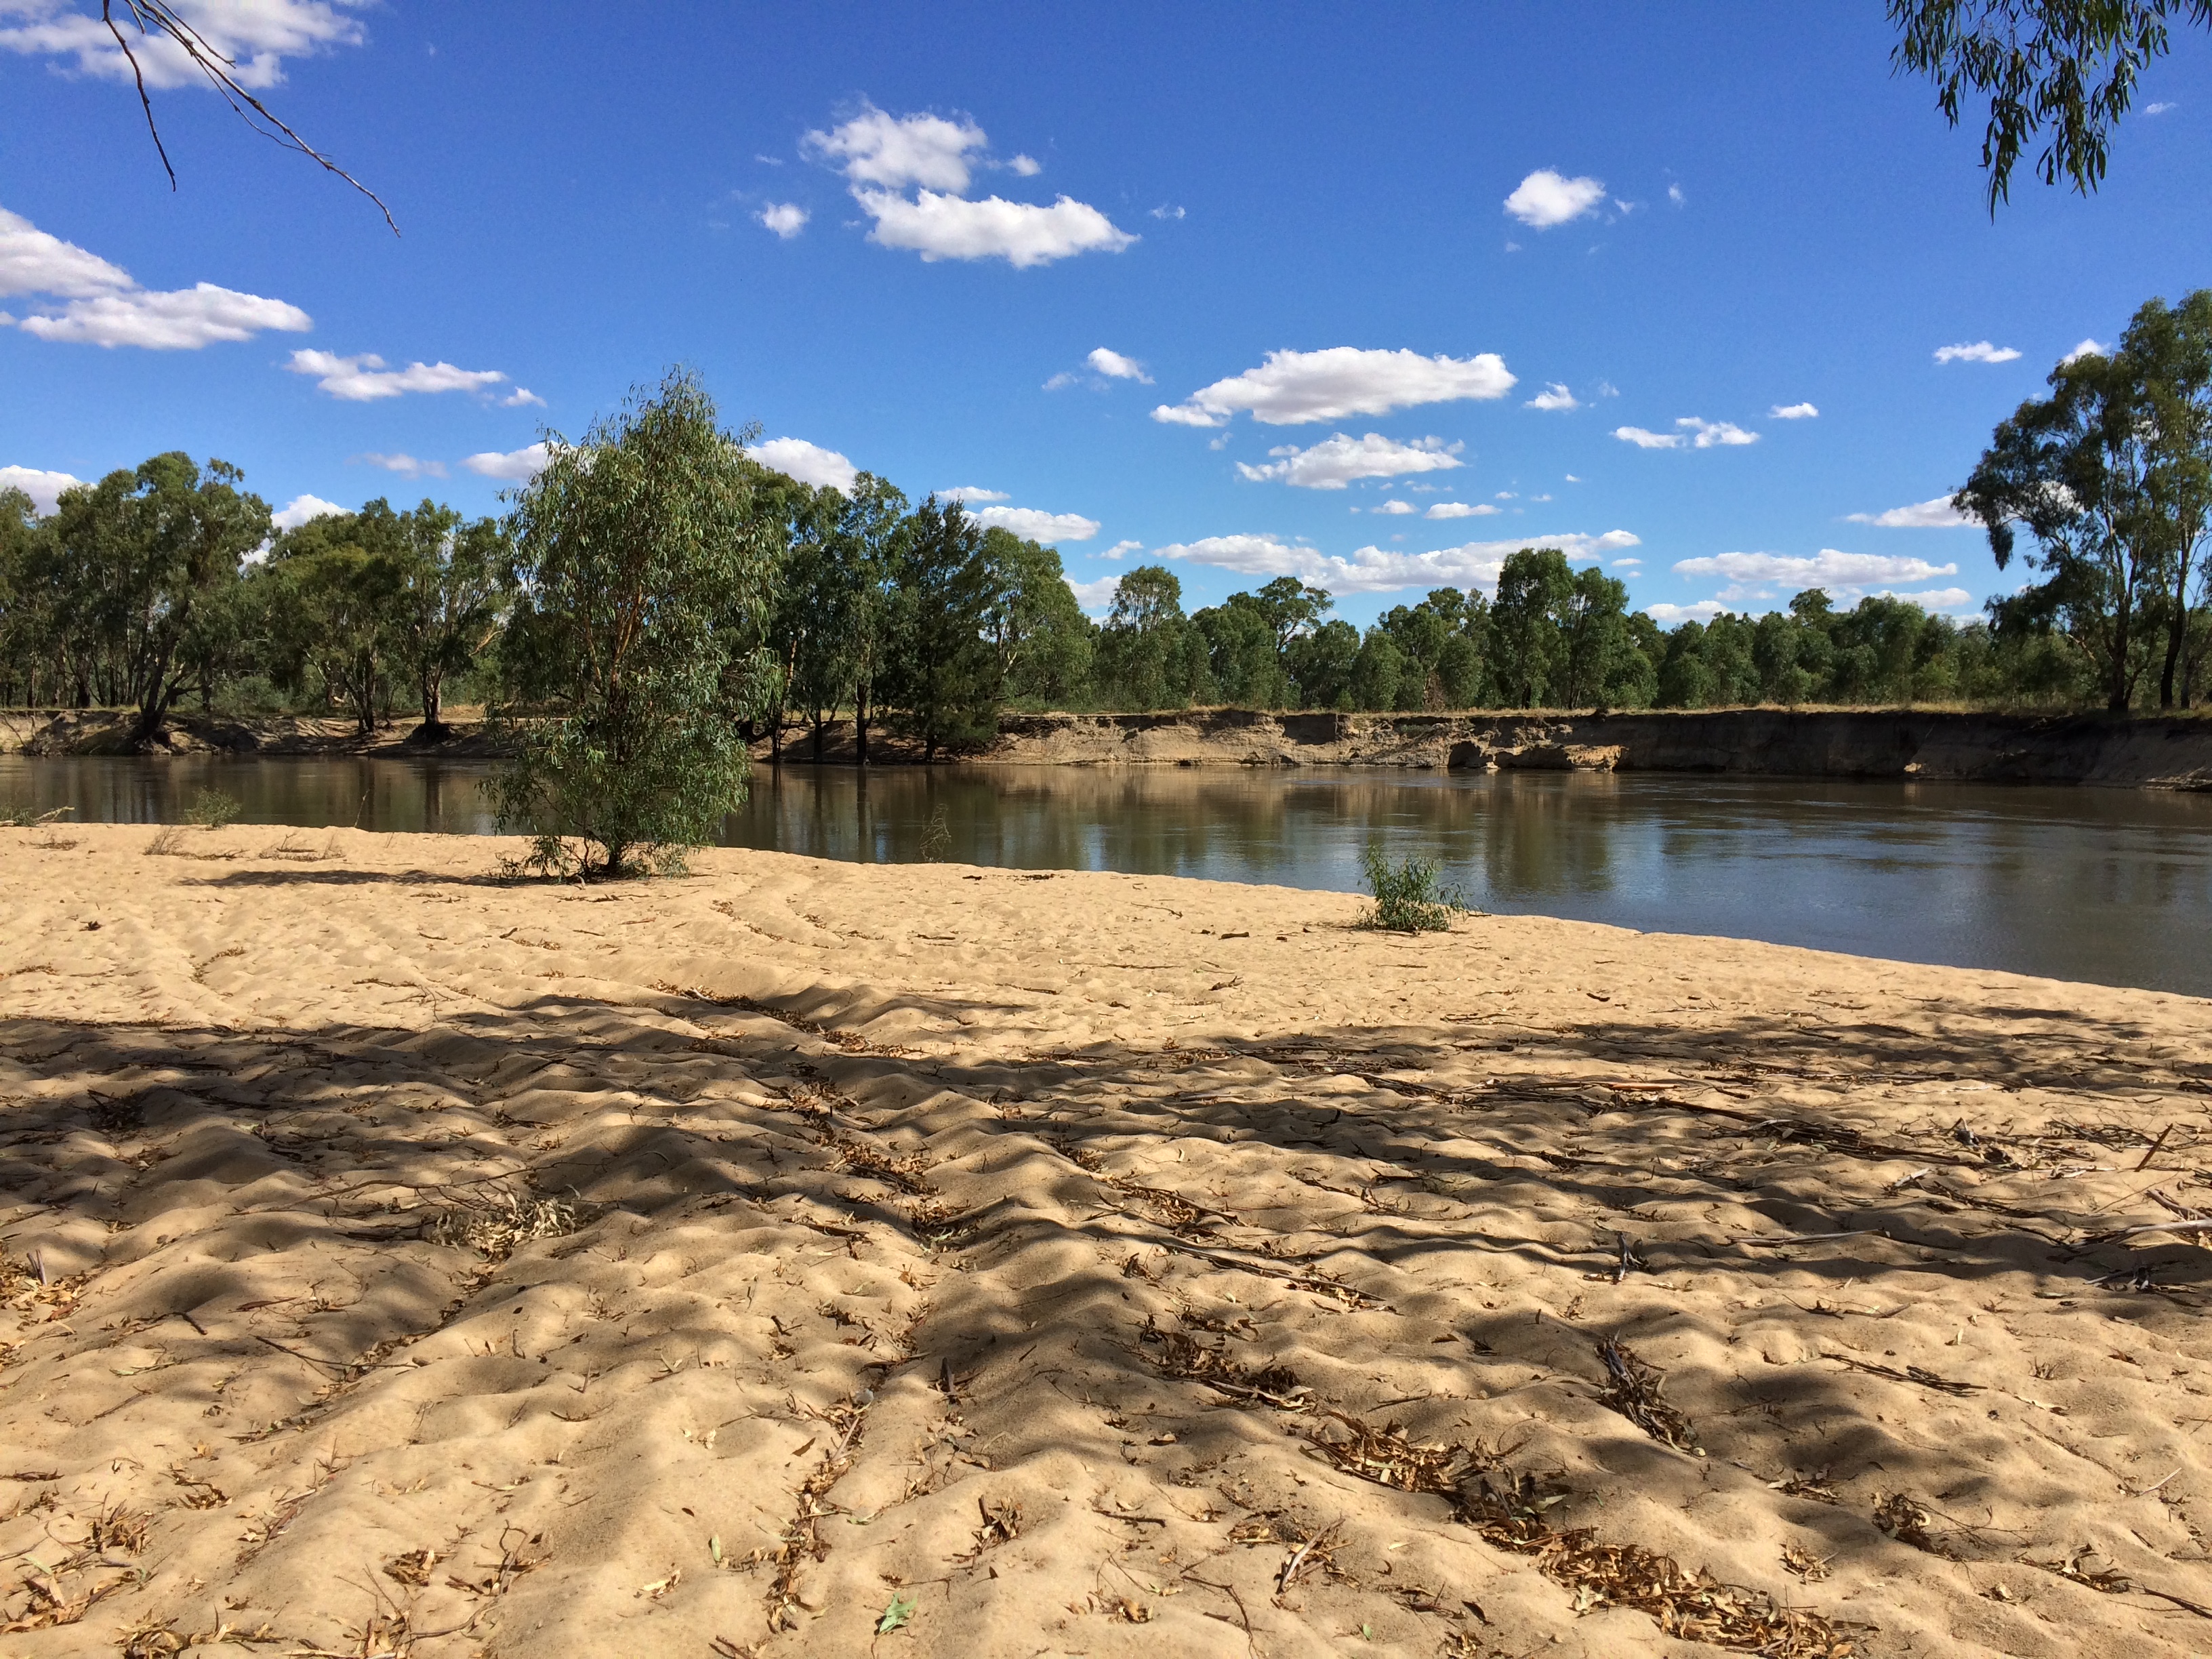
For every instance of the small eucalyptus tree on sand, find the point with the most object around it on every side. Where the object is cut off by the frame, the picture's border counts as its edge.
(646, 557)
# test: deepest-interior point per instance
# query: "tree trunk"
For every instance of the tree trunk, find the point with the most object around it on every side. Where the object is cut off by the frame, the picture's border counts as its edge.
(859, 725)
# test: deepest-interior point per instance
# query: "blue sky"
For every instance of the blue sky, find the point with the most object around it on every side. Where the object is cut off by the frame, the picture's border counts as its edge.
(1250, 291)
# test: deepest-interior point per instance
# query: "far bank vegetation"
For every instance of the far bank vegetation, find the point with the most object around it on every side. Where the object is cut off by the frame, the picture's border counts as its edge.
(166, 586)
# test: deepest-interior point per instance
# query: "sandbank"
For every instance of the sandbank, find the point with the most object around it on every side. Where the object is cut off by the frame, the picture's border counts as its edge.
(401, 1260)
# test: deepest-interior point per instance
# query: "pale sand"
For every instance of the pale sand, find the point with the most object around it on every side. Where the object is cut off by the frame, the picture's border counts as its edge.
(838, 1301)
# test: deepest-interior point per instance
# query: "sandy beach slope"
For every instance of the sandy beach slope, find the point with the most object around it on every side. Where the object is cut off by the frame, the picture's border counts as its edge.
(402, 1261)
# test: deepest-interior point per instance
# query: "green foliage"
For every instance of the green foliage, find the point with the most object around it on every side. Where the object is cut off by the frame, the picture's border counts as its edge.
(897, 1615)
(1042, 641)
(2110, 476)
(1410, 896)
(135, 578)
(944, 675)
(211, 808)
(645, 557)
(1149, 655)
(2071, 64)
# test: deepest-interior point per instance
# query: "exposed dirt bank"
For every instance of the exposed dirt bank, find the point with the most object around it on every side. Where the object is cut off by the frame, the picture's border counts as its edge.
(107, 731)
(396, 1260)
(2144, 751)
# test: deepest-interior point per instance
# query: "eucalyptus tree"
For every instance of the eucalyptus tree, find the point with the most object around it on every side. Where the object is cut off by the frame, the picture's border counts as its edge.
(143, 565)
(1534, 586)
(1041, 637)
(865, 553)
(2077, 470)
(644, 557)
(948, 678)
(450, 601)
(332, 597)
(2168, 351)
(1149, 655)
(2072, 65)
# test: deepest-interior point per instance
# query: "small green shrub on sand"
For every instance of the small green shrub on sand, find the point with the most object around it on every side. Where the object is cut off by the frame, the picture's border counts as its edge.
(211, 809)
(1409, 898)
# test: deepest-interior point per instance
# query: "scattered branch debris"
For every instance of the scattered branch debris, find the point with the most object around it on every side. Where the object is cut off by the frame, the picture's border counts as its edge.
(1632, 1388)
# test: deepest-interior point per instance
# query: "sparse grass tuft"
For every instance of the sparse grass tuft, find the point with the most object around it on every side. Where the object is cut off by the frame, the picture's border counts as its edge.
(22, 817)
(1410, 897)
(167, 840)
(211, 809)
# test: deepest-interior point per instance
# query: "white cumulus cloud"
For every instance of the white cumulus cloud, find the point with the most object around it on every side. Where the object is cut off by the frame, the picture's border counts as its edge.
(941, 227)
(2087, 348)
(883, 156)
(406, 466)
(1554, 396)
(1333, 462)
(1095, 599)
(1703, 610)
(1792, 412)
(1115, 366)
(522, 397)
(894, 151)
(786, 218)
(1033, 525)
(84, 300)
(970, 493)
(366, 378)
(1462, 510)
(1394, 508)
(34, 261)
(1293, 388)
(1934, 513)
(810, 464)
(45, 488)
(1378, 570)
(300, 508)
(1122, 549)
(1980, 351)
(1546, 199)
(1845, 576)
(255, 36)
(1692, 433)
(513, 466)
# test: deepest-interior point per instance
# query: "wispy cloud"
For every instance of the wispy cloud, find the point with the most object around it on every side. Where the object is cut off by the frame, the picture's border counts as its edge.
(1792, 412)
(254, 38)
(1378, 570)
(1554, 396)
(1772, 575)
(1934, 513)
(1980, 351)
(407, 466)
(1691, 432)
(1462, 510)
(366, 378)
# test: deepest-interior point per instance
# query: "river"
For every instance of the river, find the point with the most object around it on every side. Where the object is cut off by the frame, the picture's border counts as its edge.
(2110, 885)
